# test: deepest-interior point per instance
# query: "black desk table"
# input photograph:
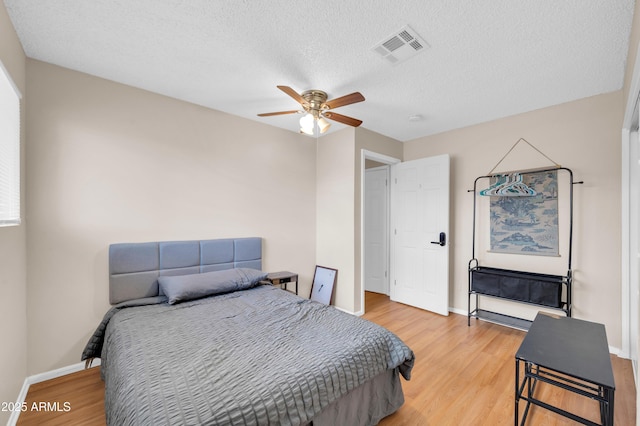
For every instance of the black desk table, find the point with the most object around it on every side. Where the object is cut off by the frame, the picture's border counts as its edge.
(283, 278)
(569, 353)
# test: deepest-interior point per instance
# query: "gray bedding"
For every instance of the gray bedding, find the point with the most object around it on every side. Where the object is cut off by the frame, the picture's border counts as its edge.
(253, 357)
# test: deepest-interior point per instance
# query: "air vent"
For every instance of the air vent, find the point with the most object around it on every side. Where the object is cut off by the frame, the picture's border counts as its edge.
(400, 46)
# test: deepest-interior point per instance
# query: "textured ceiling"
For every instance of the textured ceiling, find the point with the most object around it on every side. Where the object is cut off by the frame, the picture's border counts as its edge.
(486, 59)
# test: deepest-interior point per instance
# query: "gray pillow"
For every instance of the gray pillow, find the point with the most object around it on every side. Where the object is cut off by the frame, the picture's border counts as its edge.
(181, 288)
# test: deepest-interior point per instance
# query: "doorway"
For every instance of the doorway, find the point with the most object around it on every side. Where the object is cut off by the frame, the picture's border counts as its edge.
(418, 254)
(381, 161)
(376, 228)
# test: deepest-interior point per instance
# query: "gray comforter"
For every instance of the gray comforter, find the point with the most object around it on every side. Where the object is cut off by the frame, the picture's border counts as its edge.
(254, 357)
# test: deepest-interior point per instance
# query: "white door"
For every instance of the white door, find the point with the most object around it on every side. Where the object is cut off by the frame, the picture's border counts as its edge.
(376, 234)
(420, 233)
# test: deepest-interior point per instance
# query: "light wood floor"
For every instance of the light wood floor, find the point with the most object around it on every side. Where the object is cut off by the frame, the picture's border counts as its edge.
(462, 376)
(466, 375)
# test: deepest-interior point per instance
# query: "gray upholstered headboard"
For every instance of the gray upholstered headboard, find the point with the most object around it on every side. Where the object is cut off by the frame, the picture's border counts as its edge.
(134, 268)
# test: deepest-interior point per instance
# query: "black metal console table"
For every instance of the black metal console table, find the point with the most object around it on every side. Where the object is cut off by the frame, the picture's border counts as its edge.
(571, 354)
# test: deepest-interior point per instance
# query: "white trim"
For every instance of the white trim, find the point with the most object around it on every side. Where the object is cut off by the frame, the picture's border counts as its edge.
(41, 377)
(10, 151)
(458, 311)
(387, 171)
(625, 261)
(629, 116)
(11, 82)
(612, 349)
(634, 92)
(357, 314)
(63, 371)
(13, 419)
(380, 158)
(631, 101)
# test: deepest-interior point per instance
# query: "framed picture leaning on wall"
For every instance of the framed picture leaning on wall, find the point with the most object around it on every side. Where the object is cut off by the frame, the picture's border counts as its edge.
(324, 280)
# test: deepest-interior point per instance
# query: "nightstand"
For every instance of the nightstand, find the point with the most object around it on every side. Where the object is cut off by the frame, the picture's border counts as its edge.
(283, 278)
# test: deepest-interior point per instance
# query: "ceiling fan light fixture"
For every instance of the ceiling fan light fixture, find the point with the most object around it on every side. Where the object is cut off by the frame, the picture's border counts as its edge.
(318, 109)
(307, 124)
(323, 124)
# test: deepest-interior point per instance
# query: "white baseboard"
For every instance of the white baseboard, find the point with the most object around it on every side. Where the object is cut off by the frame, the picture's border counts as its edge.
(458, 311)
(41, 377)
(612, 349)
(357, 314)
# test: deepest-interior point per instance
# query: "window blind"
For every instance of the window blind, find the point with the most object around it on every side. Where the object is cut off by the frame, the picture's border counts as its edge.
(9, 150)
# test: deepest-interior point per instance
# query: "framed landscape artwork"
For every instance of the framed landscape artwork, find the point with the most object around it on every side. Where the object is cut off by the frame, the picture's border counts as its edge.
(527, 224)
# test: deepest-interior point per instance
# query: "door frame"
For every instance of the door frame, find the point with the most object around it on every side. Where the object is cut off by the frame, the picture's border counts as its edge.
(387, 171)
(628, 289)
(365, 154)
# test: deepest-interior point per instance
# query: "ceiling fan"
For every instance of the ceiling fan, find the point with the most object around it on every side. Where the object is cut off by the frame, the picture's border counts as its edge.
(317, 108)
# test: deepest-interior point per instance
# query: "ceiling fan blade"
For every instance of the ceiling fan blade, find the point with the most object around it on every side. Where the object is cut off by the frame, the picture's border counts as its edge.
(343, 119)
(344, 100)
(268, 114)
(295, 95)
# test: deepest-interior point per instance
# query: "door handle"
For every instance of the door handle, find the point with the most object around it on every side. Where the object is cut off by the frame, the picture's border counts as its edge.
(443, 240)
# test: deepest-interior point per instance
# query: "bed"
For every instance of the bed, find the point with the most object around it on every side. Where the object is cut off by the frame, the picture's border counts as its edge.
(195, 336)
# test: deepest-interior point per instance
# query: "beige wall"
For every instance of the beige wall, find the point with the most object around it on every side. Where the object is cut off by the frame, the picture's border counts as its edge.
(109, 163)
(338, 206)
(584, 136)
(335, 209)
(13, 255)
